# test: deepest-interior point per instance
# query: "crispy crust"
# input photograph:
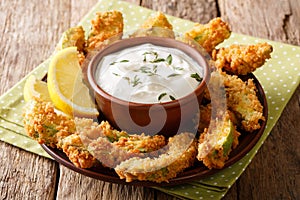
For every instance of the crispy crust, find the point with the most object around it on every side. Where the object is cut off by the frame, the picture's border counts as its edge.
(217, 141)
(242, 59)
(181, 154)
(159, 20)
(44, 125)
(76, 151)
(242, 100)
(211, 34)
(104, 26)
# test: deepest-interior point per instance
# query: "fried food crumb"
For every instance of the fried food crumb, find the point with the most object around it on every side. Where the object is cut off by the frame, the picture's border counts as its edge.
(217, 141)
(104, 26)
(44, 125)
(242, 59)
(181, 154)
(211, 34)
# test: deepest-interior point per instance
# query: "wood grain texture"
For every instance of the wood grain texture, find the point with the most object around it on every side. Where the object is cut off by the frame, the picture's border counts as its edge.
(200, 11)
(24, 175)
(24, 44)
(37, 26)
(274, 20)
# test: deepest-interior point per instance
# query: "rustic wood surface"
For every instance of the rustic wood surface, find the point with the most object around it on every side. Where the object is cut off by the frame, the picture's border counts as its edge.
(29, 31)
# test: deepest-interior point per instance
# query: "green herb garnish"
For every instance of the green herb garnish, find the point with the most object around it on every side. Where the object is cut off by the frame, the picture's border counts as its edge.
(147, 70)
(169, 59)
(150, 52)
(127, 78)
(116, 74)
(156, 60)
(197, 77)
(177, 68)
(135, 81)
(172, 98)
(172, 75)
(122, 61)
(161, 96)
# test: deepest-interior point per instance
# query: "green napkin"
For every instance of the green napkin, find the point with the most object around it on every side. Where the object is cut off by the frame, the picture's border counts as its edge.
(279, 77)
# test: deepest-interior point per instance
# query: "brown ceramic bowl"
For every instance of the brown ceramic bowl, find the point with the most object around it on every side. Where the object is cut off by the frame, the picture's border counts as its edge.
(167, 118)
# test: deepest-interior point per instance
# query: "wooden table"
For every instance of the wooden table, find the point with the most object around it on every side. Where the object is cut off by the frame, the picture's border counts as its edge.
(29, 32)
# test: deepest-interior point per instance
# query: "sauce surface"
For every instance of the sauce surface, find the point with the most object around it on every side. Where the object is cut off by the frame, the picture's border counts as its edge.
(148, 73)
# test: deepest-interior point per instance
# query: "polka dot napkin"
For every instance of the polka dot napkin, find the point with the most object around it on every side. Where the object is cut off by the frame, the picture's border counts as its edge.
(279, 77)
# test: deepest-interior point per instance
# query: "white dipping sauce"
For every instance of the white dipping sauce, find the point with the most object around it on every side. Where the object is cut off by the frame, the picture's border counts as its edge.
(148, 74)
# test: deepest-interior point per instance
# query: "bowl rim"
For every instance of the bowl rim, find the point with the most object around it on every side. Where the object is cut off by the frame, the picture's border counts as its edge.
(190, 49)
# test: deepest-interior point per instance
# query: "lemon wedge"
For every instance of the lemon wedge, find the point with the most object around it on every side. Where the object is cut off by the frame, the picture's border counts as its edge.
(35, 88)
(65, 84)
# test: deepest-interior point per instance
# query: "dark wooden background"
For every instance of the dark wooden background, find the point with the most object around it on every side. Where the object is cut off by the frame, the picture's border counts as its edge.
(29, 30)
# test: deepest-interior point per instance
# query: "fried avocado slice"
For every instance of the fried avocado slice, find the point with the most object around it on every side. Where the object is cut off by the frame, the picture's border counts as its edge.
(44, 125)
(157, 25)
(242, 59)
(141, 143)
(242, 100)
(159, 20)
(211, 34)
(111, 146)
(74, 37)
(104, 26)
(112, 134)
(216, 142)
(137, 143)
(76, 151)
(180, 154)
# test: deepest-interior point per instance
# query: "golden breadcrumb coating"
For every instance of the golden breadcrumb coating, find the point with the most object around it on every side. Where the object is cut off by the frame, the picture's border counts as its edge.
(180, 154)
(44, 125)
(242, 100)
(81, 58)
(242, 59)
(205, 117)
(157, 25)
(111, 146)
(211, 34)
(111, 133)
(104, 26)
(73, 37)
(217, 141)
(141, 143)
(159, 20)
(76, 151)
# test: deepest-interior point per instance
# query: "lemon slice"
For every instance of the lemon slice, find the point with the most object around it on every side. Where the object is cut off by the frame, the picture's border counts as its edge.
(66, 88)
(35, 88)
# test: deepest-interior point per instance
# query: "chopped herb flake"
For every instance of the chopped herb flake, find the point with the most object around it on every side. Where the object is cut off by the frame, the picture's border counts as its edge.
(135, 81)
(169, 59)
(156, 60)
(172, 75)
(172, 98)
(116, 74)
(178, 68)
(150, 52)
(127, 78)
(197, 77)
(161, 96)
(122, 61)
